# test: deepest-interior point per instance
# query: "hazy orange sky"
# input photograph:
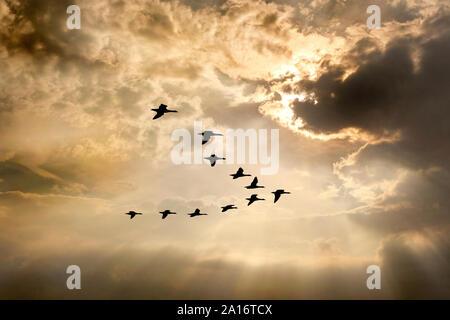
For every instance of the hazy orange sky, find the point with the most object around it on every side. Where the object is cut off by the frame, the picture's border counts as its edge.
(364, 149)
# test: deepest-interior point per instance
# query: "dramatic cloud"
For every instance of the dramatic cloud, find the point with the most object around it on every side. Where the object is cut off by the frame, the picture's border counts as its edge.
(364, 150)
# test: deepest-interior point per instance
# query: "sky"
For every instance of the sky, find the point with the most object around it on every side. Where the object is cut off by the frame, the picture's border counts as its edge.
(363, 148)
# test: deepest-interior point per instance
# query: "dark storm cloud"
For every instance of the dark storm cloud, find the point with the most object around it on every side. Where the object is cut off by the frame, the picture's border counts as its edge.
(38, 39)
(388, 94)
(365, 99)
(364, 51)
(38, 29)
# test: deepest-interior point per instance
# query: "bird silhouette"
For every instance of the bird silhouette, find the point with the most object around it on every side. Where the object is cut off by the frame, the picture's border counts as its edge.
(165, 213)
(253, 198)
(161, 111)
(228, 207)
(239, 173)
(132, 214)
(197, 213)
(254, 185)
(278, 194)
(207, 135)
(213, 158)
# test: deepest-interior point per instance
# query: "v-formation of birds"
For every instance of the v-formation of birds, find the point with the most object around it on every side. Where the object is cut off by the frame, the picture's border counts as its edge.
(161, 111)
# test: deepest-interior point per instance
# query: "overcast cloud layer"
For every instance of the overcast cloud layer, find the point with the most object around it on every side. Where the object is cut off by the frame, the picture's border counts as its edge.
(364, 149)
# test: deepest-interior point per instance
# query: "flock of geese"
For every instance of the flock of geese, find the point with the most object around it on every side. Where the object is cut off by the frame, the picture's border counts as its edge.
(212, 159)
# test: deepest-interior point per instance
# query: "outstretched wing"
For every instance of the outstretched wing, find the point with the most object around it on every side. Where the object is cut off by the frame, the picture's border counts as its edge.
(158, 114)
(164, 215)
(277, 196)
